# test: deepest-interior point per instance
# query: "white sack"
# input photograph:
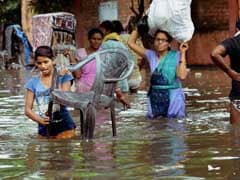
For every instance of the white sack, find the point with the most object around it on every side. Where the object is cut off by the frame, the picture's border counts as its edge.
(173, 16)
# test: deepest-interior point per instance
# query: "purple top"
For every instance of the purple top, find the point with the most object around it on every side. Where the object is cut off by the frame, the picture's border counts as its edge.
(153, 59)
(175, 109)
(88, 71)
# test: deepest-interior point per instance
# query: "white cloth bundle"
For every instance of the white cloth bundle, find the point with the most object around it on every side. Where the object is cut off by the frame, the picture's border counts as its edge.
(173, 16)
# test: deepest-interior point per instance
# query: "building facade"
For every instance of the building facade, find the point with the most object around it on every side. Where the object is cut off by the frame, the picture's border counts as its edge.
(213, 20)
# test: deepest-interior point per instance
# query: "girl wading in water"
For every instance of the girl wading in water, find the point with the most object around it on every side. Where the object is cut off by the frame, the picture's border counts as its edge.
(38, 89)
(168, 67)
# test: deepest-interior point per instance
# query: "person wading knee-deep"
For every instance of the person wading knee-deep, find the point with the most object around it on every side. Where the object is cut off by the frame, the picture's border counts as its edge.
(231, 47)
(168, 67)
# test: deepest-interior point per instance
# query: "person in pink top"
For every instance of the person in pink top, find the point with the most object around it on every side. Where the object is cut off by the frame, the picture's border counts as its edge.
(85, 77)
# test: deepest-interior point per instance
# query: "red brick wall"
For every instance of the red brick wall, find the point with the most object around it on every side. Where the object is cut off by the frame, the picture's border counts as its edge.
(211, 20)
(210, 17)
(234, 12)
(87, 17)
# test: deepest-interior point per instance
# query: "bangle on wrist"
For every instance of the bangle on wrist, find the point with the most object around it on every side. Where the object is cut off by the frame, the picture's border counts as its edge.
(181, 62)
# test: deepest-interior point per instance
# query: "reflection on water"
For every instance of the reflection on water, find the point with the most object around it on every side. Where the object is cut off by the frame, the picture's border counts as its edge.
(202, 146)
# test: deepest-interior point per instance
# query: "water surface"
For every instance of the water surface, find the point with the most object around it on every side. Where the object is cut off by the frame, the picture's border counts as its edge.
(202, 146)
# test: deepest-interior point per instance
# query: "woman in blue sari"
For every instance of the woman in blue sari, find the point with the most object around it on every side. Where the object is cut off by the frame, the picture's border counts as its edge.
(168, 68)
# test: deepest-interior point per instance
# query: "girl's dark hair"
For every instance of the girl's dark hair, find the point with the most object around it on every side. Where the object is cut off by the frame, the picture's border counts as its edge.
(107, 25)
(45, 51)
(93, 31)
(117, 26)
(169, 38)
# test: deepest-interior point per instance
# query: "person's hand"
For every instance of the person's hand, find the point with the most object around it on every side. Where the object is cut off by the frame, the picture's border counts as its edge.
(44, 121)
(234, 75)
(70, 55)
(68, 52)
(63, 71)
(183, 47)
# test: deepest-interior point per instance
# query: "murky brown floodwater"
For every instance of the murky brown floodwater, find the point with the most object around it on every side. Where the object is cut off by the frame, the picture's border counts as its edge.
(202, 146)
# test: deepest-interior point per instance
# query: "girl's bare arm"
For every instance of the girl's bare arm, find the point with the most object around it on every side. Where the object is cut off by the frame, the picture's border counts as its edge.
(29, 99)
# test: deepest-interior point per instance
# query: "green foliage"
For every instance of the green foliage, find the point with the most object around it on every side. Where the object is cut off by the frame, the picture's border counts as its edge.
(10, 11)
(47, 6)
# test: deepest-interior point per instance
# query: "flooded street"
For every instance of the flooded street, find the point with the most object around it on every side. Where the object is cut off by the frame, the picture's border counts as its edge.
(202, 146)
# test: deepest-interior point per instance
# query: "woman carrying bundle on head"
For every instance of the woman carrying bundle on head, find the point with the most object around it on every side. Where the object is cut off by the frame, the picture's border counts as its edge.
(168, 68)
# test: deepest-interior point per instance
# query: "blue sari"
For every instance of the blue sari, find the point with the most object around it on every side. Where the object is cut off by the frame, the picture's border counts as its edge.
(163, 80)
